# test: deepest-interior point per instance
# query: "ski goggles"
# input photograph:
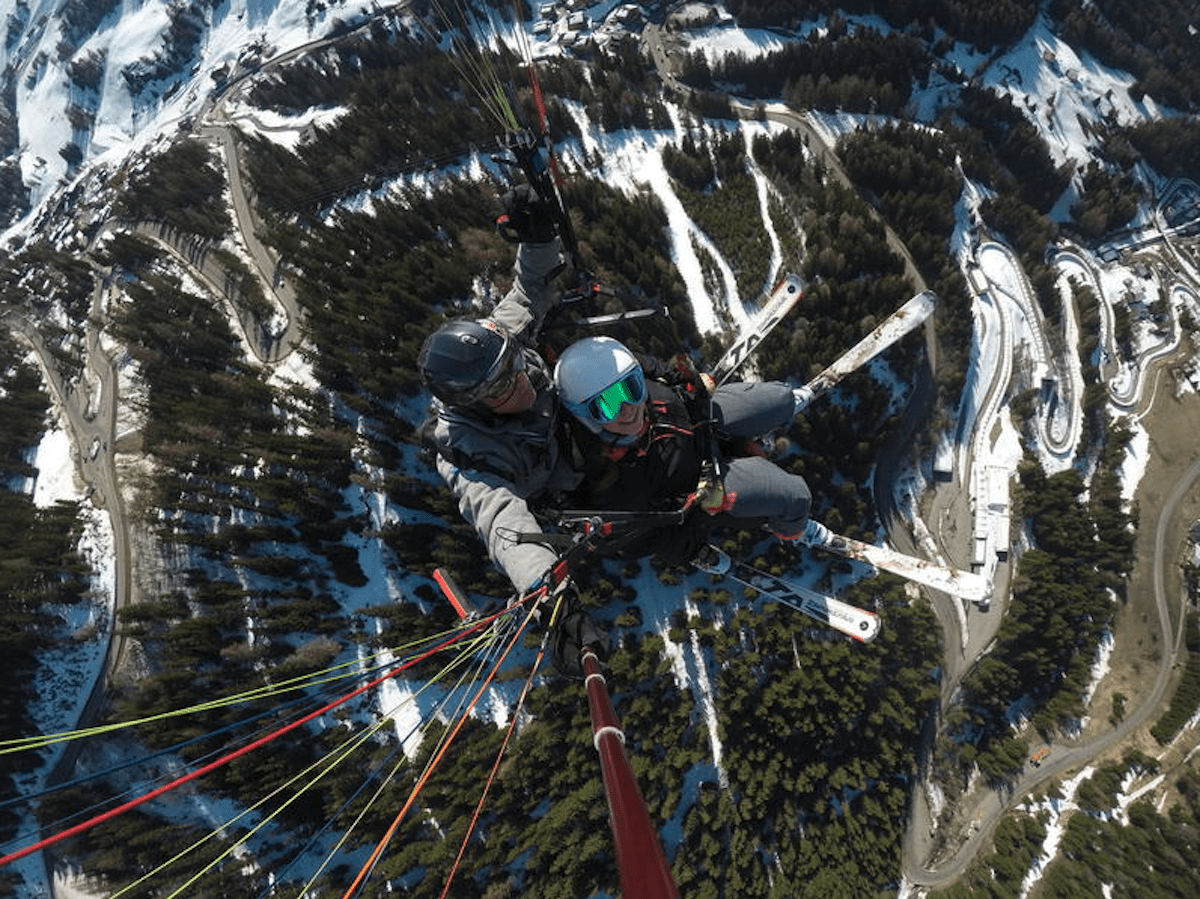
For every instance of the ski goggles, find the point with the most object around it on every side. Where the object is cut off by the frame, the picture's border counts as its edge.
(606, 405)
(501, 379)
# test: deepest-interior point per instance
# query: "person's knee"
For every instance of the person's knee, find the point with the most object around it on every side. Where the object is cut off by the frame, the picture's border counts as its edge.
(797, 503)
(765, 490)
(752, 409)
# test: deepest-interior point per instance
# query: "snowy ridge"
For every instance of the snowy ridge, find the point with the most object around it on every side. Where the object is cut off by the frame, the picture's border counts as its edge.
(124, 123)
(48, 105)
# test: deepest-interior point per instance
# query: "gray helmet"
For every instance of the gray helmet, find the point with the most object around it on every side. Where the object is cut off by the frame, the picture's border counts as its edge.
(595, 376)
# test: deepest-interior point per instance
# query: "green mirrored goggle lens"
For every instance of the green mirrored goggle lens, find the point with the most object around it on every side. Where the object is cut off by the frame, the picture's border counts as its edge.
(606, 405)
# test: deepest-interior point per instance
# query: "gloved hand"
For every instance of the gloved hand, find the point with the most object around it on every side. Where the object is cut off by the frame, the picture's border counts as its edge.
(711, 496)
(571, 629)
(557, 578)
(554, 581)
(687, 373)
(527, 217)
(571, 634)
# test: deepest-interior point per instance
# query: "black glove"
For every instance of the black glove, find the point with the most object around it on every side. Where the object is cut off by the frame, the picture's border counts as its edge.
(568, 639)
(527, 217)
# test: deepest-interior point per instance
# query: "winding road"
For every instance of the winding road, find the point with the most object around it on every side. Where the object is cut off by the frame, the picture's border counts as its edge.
(1067, 757)
(927, 867)
(92, 422)
(89, 413)
(90, 407)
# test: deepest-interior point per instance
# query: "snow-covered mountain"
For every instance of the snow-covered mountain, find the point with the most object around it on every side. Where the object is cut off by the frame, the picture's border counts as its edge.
(88, 83)
(85, 84)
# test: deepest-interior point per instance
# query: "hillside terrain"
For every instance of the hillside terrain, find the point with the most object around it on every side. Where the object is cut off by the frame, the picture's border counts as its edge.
(228, 227)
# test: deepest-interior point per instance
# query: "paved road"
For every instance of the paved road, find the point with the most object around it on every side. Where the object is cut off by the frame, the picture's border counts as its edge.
(1066, 757)
(90, 416)
(275, 286)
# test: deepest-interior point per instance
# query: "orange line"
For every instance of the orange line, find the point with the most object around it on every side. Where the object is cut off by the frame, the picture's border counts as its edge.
(424, 778)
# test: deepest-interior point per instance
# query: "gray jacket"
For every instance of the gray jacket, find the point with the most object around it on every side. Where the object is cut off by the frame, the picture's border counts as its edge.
(514, 459)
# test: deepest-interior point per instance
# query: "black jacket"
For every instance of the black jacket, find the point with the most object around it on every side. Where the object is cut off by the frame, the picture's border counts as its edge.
(656, 472)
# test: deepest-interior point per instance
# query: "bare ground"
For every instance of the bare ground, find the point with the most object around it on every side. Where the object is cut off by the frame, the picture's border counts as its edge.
(1172, 424)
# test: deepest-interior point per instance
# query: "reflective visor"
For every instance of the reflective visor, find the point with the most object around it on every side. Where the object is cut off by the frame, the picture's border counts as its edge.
(606, 405)
(499, 382)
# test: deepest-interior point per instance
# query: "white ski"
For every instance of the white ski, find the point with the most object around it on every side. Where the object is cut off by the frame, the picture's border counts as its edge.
(785, 295)
(841, 616)
(964, 584)
(895, 326)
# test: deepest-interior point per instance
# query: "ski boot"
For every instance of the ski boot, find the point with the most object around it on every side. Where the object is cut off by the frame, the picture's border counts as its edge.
(801, 397)
(815, 535)
(711, 560)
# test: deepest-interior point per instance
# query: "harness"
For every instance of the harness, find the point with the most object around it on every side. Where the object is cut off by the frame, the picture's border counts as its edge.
(655, 471)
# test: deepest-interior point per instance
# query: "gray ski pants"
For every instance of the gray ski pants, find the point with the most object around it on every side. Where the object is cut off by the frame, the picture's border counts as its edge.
(757, 488)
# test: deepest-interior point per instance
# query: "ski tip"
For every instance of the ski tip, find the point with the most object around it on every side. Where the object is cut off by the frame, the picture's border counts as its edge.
(789, 290)
(982, 592)
(868, 629)
(966, 585)
(918, 308)
(969, 586)
(857, 624)
(792, 284)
